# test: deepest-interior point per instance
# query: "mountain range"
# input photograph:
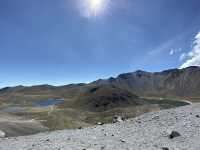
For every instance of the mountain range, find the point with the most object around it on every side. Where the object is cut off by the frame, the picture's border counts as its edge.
(128, 95)
(169, 83)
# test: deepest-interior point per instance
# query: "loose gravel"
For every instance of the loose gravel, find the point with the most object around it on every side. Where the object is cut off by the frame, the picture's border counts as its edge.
(148, 132)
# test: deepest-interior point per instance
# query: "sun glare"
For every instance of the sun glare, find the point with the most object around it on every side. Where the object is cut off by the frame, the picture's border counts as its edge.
(93, 8)
(95, 5)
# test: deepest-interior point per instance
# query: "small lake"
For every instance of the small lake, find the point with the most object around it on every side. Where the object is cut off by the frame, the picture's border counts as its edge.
(49, 102)
(41, 103)
(12, 109)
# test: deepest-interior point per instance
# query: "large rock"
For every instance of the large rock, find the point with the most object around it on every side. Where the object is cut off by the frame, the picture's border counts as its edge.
(2, 134)
(174, 134)
(118, 119)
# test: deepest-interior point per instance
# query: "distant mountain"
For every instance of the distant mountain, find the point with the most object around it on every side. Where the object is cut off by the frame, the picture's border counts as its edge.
(168, 83)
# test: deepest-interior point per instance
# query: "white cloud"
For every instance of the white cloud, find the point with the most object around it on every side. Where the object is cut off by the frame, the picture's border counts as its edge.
(171, 52)
(174, 51)
(193, 57)
(182, 56)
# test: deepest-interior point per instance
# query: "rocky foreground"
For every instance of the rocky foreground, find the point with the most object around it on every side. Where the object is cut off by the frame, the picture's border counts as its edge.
(174, 129)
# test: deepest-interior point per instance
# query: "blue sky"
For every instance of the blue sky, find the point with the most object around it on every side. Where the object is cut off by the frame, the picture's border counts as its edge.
(58, 42)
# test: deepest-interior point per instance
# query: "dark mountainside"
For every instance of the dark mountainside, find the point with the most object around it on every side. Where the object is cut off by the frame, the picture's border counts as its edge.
(169, 83)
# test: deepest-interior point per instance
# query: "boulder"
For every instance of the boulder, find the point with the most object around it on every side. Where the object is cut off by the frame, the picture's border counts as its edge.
(100, 123)
(2, 134)
(174, 134)
(165, 148)
(118, 119)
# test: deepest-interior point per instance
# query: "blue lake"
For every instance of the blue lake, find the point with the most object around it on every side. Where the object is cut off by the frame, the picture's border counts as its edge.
(41, 103)
(49, 102)
(12, 109)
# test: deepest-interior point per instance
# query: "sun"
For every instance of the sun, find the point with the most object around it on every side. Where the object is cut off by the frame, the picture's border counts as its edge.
(95, 5)
(93, 8)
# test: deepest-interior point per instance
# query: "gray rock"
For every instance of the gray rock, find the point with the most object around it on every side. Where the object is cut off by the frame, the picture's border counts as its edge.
(118, 119)
(174, 134)
(2, 134)
(165, 148)
(100, 123)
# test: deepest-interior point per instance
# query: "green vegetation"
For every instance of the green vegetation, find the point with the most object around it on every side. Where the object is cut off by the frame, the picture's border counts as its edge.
(167, 103)
(84, 105)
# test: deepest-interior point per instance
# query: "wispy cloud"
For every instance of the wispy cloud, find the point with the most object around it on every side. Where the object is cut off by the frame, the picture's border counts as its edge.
(168, 45)
(163, 47)
(193, 57)
(174, 51)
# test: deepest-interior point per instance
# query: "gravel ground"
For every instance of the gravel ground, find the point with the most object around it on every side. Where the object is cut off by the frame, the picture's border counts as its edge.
(148, 132)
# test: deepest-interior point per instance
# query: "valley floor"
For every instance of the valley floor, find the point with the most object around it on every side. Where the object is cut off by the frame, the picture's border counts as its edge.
(148, 132)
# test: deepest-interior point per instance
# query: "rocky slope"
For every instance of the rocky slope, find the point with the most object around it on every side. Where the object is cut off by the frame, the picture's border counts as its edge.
(173, 129)
(169, 83)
